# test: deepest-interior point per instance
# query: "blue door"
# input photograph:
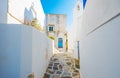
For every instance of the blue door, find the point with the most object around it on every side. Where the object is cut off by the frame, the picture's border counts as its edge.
(60, 43)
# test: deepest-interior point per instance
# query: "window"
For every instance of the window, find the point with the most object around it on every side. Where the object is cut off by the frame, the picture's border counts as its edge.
(60, 43)
(50, 28)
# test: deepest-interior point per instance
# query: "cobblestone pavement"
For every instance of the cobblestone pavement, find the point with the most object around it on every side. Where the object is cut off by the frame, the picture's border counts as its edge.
(62, 65)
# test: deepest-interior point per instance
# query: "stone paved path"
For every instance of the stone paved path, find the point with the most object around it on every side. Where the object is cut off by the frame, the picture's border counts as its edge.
(62, 65)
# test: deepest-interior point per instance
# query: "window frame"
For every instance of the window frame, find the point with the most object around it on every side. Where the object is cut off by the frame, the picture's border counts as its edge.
(51, 27)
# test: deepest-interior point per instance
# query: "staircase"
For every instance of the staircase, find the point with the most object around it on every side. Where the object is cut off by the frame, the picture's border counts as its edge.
(62, 65)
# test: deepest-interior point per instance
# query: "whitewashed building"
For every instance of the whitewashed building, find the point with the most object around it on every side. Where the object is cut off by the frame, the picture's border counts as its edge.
(56, 28)
(100, 42)
(73, 31)
(21, 12)
(24, 51)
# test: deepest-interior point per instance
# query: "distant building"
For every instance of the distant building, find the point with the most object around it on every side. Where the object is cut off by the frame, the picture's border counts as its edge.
(56, 29)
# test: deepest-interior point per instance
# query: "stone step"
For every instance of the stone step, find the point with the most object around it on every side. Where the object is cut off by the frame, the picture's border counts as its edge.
(62, 66)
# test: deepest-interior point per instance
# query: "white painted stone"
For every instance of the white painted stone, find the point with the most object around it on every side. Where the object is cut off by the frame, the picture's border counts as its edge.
(23, 51)
(74, 29)
(97, 12)
(19, 11)
(3, 11)
(99, 57)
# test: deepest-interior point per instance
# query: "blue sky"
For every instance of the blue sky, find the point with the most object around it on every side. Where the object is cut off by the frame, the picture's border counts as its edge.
(60, 7)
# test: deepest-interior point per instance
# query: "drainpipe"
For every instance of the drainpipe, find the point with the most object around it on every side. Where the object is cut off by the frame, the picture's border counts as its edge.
(78, 42)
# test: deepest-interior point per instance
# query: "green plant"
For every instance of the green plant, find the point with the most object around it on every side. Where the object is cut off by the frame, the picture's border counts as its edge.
(52, 38)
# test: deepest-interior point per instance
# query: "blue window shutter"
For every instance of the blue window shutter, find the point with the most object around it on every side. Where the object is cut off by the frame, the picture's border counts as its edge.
(84, 3)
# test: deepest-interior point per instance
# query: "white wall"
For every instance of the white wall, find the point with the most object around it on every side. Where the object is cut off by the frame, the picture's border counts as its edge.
(73, 32)
(10, 51)
(100, 47)
(18, 11)
(97, 12)
(42, 49)
(72, 41)
(3, 11)
(23, 51)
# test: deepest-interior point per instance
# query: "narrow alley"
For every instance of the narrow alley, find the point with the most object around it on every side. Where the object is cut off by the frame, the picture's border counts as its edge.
(62, 65)
(59, 38)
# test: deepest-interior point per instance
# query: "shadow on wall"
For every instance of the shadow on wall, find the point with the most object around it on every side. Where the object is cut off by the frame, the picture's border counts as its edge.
(28, 16)
(21, 52)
